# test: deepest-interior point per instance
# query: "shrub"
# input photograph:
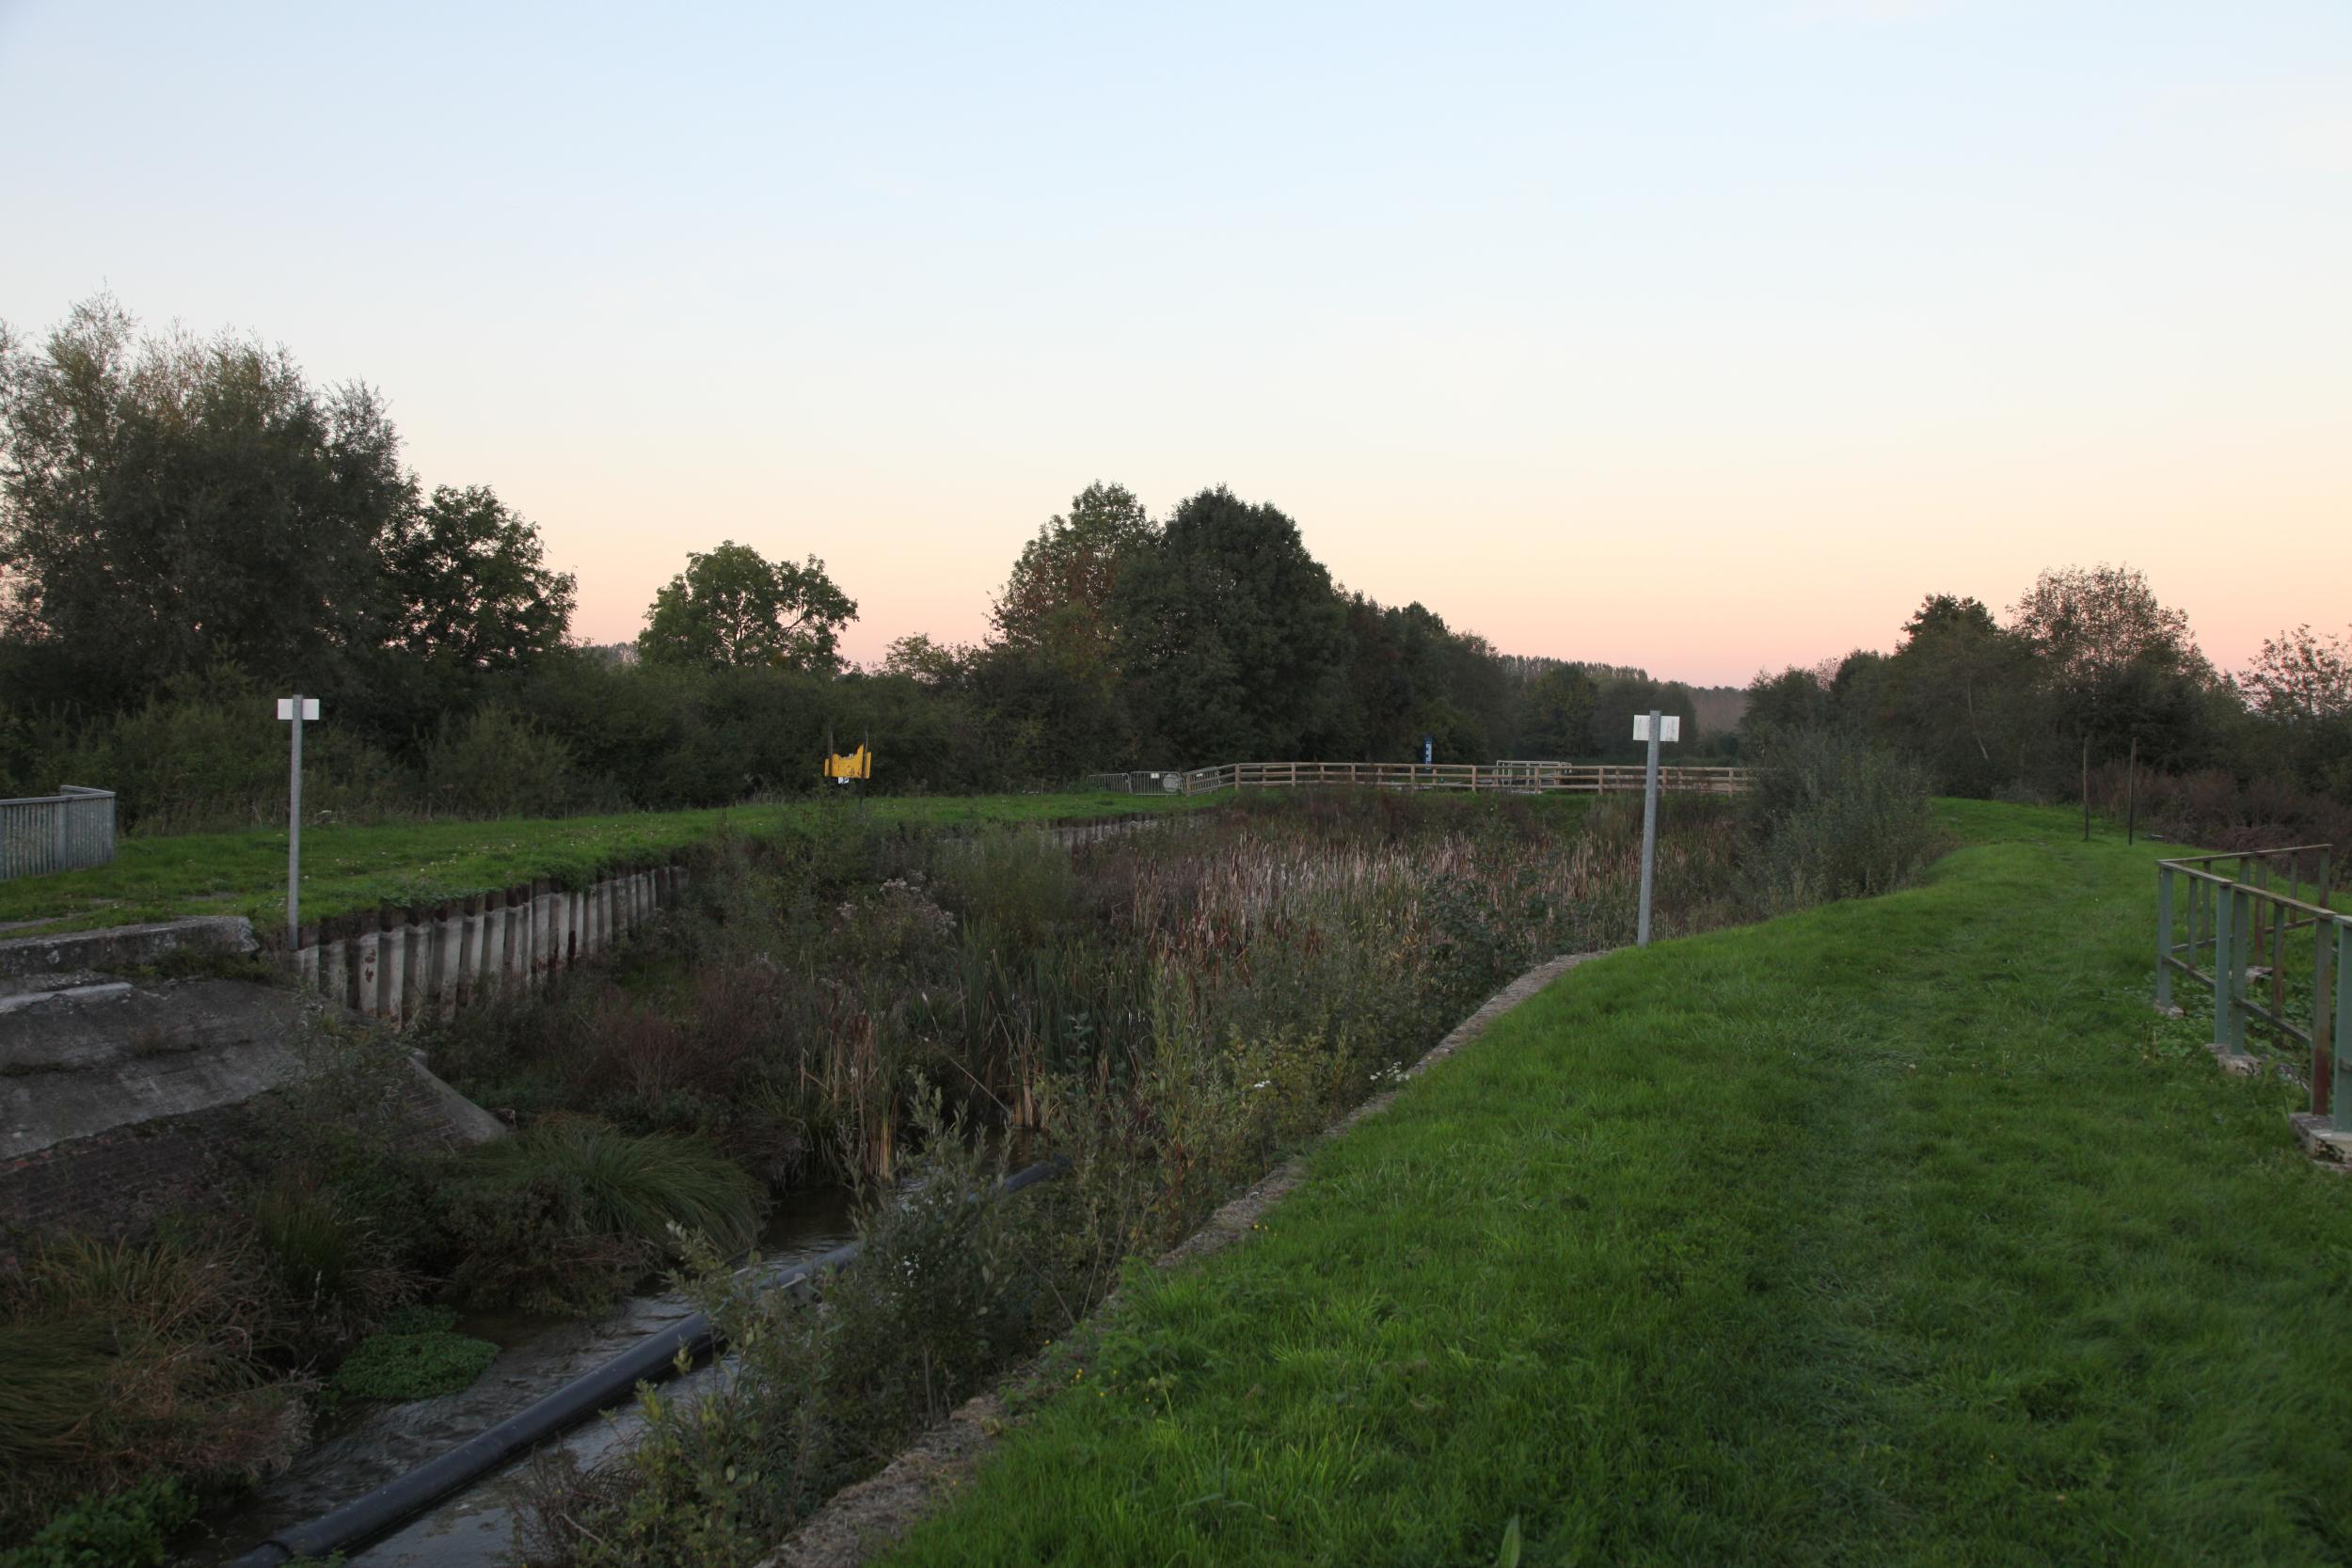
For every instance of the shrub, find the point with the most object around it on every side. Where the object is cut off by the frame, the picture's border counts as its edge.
(118, 1529)
(496, 763)
(563, 1215)
(415, 1357)
(335, 1267)
(126, 1360)
(1835, 818)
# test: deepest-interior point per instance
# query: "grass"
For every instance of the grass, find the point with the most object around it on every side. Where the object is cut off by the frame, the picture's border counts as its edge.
(348, 868)
(1895, 1231)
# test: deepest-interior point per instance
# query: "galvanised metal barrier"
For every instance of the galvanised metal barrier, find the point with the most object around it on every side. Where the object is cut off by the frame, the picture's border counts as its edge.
(65, 831)
(2232, 909)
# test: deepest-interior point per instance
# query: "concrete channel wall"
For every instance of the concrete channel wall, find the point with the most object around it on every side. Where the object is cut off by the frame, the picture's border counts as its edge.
(404, 964)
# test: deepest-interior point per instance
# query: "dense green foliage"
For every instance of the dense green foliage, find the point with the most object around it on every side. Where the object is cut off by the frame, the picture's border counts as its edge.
(1895, 1231)
(130, 1528)
(2088, 672)
(414, 1357)
(189, 529)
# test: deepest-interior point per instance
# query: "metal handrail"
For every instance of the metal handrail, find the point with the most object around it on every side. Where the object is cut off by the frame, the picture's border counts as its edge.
(2240, 918)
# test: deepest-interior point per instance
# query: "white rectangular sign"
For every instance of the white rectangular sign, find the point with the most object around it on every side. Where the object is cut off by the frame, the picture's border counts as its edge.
(310, 708)
(1671, 729)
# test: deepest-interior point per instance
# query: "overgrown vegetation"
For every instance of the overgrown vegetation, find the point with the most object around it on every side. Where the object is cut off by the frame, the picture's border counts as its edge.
(1167, 1012)
(1890, 1232)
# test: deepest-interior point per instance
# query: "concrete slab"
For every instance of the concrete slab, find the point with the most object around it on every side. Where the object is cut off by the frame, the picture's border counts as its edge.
(2320, 1139)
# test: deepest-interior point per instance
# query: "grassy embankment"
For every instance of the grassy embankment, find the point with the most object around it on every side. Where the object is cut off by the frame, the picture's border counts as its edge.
(347, 868)
(1895, 1231)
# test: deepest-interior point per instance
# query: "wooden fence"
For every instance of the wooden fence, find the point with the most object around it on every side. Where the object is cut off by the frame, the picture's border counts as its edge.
(65, 831)
(1523, 778)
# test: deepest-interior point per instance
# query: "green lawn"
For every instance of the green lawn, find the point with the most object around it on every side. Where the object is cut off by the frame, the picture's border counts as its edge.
(346, 868)
(1894, 1232)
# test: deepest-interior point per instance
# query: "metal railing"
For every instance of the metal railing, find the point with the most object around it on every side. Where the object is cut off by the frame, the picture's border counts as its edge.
(66, 832)
(2237, 916)
(1519, 777)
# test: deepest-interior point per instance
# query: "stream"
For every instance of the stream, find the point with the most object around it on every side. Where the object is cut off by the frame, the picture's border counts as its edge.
(475, 1528)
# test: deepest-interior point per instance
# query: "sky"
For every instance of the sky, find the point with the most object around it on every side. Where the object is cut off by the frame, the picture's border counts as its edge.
(1704, 338)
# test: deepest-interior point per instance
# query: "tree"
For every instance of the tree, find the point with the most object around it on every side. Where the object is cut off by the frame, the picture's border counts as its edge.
(1233, 642)
(2118, 664)
(470, 585)
(1556, 724)
(1959, 694)
(734, 608)
(936, 665)
(2301, 687)
(173, 505)
(1057, 600)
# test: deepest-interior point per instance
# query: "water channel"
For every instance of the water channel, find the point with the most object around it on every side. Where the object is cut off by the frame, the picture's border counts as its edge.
(475, 1528)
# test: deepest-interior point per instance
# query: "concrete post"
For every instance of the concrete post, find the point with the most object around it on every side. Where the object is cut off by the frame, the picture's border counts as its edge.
(306, 956)
(331, 961)
(393, 949)
(493, 944)
(515, 974)
(449, 949)
(370, 961)
(470, 952)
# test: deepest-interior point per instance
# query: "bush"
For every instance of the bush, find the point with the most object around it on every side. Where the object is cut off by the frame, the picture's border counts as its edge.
(335, 1267)
(123, 1361)
(117, 1529)
(562, 1216)
(1835, 818)
(498, 764)
(415, 1357)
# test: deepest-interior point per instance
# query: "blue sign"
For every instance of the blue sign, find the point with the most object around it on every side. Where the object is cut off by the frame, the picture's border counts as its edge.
(1428, 748)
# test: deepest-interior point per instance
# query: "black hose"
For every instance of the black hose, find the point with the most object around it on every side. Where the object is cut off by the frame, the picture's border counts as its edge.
(366, 1517)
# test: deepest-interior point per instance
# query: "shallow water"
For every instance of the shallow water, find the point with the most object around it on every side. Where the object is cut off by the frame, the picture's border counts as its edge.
(474, 1528)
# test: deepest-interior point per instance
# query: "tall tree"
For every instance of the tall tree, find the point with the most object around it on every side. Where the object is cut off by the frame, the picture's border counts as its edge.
(1057, 600)
(1556, 723)
(2119, 664)
(471, 587)
(1231, 639)
(1960, 691)
(172, 503)
(733, 607)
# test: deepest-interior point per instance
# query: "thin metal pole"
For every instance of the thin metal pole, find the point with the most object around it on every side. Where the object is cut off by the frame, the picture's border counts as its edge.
(294, 836)
(2342, 1096)
(2323, 1016)
(2131, 797)
(1649, 828)
(2224, 951)
(2164, 939)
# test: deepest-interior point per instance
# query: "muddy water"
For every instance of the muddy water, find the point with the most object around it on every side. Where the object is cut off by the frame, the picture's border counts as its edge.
(475, 1528)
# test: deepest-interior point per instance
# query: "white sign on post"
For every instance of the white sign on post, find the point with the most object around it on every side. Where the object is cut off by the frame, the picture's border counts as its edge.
(298, 709)
(1653, 727)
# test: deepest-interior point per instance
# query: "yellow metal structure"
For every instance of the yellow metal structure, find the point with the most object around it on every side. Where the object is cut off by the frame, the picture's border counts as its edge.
(857, 764)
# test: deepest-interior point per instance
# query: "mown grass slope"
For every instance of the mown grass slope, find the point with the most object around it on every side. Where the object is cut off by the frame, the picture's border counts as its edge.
(346, 868)
(1897, 1231)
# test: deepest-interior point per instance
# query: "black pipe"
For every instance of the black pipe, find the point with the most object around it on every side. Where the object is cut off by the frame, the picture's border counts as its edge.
(375, 1513)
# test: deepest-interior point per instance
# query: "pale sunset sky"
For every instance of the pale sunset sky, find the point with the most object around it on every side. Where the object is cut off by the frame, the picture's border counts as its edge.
(1700, 337)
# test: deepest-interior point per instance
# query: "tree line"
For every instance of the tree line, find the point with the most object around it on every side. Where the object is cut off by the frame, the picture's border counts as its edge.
(2088, 671)
(188, 525)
